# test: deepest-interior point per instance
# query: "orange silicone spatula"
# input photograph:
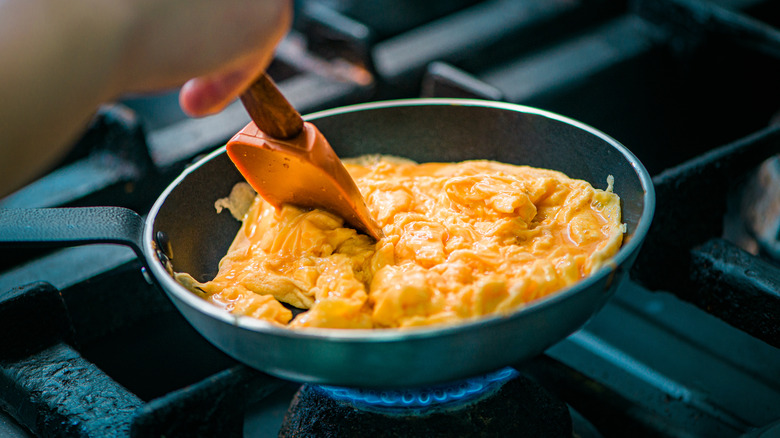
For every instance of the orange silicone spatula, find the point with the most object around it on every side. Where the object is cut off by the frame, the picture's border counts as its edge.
(289, 161)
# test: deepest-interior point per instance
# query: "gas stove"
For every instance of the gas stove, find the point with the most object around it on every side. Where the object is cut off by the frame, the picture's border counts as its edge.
(687, 347)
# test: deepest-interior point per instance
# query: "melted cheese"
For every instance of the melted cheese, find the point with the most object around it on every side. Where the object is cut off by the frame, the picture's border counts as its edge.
(462, 240)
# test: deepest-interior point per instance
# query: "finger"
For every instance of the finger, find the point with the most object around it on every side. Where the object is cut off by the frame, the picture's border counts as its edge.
(208, 95)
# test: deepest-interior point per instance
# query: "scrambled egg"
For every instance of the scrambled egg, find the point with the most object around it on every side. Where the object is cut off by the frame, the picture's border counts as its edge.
(462, 240)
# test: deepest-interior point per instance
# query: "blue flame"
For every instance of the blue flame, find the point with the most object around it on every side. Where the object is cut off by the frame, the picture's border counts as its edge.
(417, 400)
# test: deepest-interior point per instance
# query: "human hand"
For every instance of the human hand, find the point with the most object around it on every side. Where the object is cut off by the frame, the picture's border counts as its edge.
(61, 60)
(224, 47)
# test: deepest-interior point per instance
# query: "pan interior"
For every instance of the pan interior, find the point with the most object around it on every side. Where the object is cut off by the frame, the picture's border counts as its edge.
(199, 237)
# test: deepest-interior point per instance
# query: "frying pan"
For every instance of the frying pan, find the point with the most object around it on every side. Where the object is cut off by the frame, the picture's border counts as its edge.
(184, 233)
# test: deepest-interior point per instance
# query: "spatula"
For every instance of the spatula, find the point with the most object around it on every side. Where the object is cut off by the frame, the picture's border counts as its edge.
(289, 161)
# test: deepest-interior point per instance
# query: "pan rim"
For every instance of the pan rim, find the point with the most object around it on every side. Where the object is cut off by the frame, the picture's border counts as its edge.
(405, 334)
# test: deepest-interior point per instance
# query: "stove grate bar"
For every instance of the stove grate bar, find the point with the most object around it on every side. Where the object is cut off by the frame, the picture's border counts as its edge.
(56, 392)
(214, 406)
(691, 203)
(730, 280)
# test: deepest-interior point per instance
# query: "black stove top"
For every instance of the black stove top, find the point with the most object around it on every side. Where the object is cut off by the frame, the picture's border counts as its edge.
(687, 347)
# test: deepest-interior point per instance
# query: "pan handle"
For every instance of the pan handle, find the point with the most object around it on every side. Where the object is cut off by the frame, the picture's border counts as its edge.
(73, 226)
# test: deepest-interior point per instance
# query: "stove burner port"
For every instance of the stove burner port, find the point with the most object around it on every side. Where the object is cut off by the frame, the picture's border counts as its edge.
(422, 400)
(502, 403)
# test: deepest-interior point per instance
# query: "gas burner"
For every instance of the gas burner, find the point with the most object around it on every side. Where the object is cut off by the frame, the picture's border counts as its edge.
(502, 403)
(422, 400)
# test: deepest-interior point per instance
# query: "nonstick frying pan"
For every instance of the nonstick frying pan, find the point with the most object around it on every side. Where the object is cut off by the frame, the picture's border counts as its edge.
(184, 233)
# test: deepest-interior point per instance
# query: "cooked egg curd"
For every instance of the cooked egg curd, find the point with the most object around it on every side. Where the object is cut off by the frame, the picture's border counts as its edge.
(462, 240)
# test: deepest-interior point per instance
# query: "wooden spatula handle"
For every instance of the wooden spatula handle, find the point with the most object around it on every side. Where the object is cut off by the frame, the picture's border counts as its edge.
(270, 110)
